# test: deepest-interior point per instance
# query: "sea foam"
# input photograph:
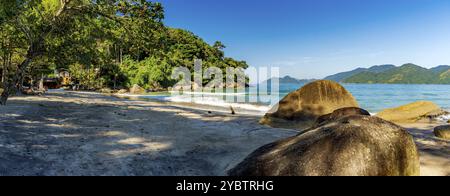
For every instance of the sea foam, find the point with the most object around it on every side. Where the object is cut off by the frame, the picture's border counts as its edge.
(444, 118)
(216, 101)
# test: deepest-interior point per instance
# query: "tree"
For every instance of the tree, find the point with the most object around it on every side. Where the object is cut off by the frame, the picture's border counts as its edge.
(124, 41)
(36, 20)
(45, 26)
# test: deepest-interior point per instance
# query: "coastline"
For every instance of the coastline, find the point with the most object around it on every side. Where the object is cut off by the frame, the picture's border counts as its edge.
(214, 104)
(88, 133)
(77, 133)
(207, 104)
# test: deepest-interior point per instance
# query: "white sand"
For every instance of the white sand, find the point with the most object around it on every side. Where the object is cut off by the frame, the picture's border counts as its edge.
(76, 133)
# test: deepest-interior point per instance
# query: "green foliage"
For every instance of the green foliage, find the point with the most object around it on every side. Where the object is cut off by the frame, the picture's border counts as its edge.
(181, 48)
(151, 73)
(113, 43)
(85, 76)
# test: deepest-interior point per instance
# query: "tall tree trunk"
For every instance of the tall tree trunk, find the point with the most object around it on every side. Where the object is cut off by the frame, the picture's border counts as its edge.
(3, 75)
(41, 83)
(4, 59)
(12, 86)
(8, 86)
(5, 84)
(4, 70)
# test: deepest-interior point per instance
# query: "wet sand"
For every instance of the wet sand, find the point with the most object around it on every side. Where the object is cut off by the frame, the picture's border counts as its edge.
(77, 133)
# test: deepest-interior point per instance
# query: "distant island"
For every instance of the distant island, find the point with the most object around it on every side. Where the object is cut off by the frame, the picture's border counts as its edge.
(289, 80)
(390, 74)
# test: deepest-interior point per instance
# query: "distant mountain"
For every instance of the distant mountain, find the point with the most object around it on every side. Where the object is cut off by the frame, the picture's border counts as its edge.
(405, 74)
(340, 77)
(380, 68)
(440, 68)
(290, 80)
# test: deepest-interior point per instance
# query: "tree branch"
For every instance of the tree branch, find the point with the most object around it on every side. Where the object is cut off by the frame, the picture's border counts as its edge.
(89, 9)
(24, 30)
(61, 9)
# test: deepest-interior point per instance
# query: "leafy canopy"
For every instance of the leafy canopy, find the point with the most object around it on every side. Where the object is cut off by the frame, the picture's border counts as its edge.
(126, 41)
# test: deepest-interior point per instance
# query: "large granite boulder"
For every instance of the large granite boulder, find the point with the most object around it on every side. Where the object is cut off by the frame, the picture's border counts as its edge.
(136, 89)
(350, 146)
(442, 132)
(413, 112)
(339, 113)
(301, 108)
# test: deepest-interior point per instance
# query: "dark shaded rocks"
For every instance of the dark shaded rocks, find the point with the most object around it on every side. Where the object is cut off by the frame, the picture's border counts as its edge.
(442, 132)
(300, 109)
(353, 145)
(155, 87)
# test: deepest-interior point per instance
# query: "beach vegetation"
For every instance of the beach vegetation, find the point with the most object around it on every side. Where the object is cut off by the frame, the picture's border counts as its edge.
(104, 43)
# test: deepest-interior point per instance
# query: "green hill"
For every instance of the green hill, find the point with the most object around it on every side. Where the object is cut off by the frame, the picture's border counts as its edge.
(405, 74)
(340, 77)
(440, 68)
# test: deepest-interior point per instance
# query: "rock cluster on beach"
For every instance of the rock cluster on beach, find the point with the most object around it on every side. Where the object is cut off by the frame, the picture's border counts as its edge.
(413, 112)
(442, 132)
(337, 137)
(122, 91)
(136, 89)
(354, 145)
(106, 90)
(301, 108)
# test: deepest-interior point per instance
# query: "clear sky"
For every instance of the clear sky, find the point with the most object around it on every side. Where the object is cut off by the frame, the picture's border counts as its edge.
(315, 38)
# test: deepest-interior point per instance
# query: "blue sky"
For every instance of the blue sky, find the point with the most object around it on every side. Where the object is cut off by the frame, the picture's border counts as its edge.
(316, 38)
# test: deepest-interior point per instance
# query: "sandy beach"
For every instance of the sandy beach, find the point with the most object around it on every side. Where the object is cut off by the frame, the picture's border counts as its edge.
(81, 133)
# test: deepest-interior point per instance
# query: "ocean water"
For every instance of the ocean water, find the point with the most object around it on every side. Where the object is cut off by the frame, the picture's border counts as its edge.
(372, 97)
(376, 97)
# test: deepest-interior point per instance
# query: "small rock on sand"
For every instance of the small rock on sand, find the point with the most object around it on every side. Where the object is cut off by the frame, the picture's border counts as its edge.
(442, 132)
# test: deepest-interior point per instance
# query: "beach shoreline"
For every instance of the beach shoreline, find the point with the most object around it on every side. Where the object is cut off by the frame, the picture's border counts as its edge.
(87, 133)
(373, 98)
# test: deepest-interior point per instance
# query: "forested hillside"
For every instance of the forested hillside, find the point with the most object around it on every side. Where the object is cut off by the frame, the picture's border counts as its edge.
(103, 43)
(405, 74)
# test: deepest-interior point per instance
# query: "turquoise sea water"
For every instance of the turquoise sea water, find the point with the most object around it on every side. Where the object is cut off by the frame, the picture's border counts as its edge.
(372, 97)
(376, 97)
